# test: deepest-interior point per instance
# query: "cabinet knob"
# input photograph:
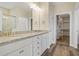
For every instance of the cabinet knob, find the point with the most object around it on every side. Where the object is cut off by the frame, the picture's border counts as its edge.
(21, 51)
(37, 42)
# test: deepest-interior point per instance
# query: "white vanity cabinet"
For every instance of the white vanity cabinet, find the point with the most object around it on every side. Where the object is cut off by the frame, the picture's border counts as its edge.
(31, 46)
(40, 44)
(23, 51)
(14, 48)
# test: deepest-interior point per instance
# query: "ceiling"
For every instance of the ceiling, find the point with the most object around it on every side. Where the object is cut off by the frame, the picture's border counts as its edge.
(10, 5)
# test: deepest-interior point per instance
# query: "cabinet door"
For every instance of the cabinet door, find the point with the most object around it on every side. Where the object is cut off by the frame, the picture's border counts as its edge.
(36, 46)
(44, 24)
(35, 20)
(28, 48)
(44, 19)
(35, 51)
(46, 38)
(44, 42)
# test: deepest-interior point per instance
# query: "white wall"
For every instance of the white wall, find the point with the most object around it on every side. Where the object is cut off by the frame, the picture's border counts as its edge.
(51, 23)
(63, 6)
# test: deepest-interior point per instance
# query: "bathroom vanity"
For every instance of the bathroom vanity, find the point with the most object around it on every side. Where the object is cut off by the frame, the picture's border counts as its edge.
(32, 43)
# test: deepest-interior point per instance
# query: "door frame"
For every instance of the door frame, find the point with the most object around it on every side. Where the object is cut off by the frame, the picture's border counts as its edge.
(71, 27)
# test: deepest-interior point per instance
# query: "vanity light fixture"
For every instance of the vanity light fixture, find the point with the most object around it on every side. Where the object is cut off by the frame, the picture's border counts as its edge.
(34, 7)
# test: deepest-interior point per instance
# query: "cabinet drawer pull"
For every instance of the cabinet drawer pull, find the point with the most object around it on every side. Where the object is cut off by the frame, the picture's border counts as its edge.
(37, 42)
(21, 51)
(38, 47)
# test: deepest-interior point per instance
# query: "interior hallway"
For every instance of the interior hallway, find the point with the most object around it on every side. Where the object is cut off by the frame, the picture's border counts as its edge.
(62, 48)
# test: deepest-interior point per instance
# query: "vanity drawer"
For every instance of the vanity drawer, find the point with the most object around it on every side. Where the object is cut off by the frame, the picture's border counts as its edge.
(14, 46)
(16, 53)
(23, 51)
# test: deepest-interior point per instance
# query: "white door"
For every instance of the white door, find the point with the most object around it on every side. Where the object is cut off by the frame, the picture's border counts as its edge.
(0, 20)
(0, 23)
(76, 26)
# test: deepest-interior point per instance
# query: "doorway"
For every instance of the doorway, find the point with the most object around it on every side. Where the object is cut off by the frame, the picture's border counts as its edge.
(63, 28)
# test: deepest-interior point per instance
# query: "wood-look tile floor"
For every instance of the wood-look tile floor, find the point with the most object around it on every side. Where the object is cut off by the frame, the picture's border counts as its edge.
(63, 49)
(64, 40)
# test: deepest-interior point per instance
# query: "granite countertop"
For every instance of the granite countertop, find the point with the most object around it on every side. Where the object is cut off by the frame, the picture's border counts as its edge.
(17, 37)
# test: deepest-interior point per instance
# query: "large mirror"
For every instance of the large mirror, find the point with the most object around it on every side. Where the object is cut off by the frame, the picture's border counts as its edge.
(15, 17)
